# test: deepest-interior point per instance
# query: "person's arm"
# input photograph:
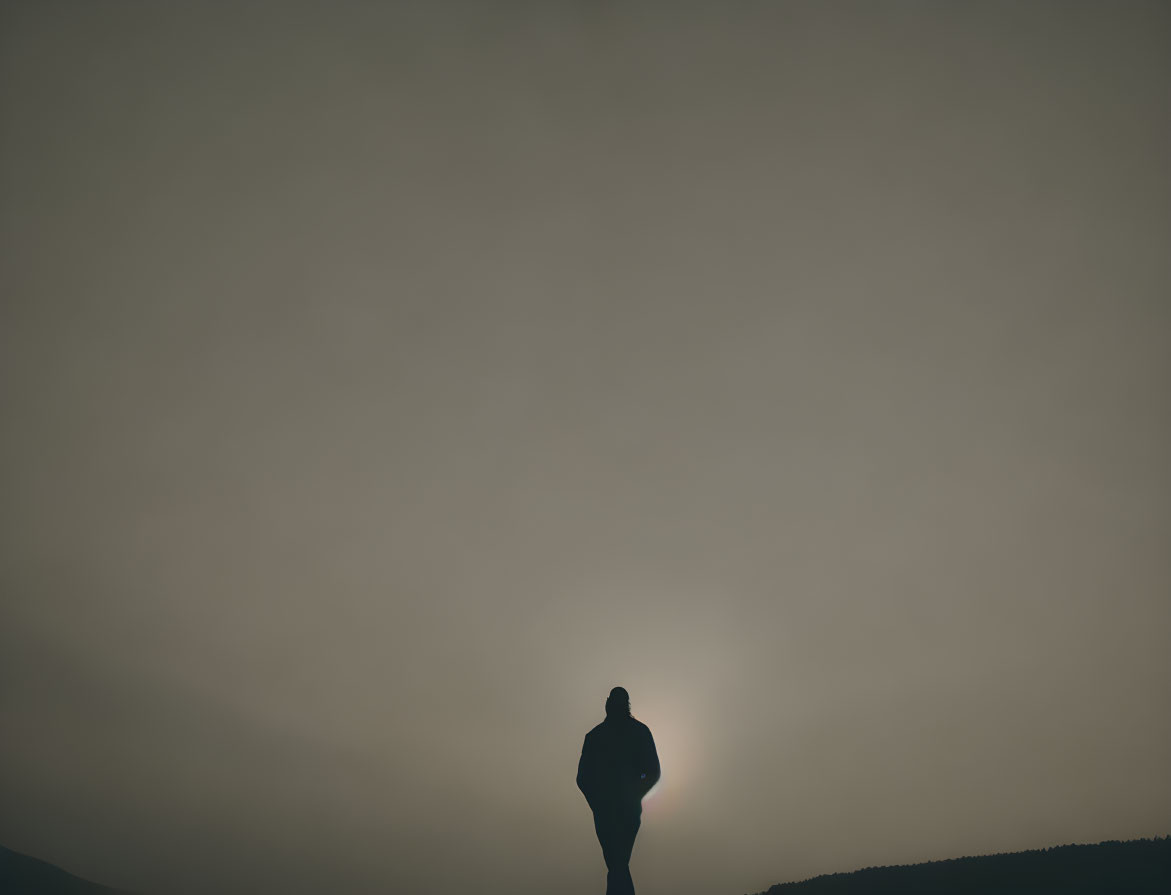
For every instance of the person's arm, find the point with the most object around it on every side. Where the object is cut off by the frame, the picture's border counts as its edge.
(586, 781)
(650, 770)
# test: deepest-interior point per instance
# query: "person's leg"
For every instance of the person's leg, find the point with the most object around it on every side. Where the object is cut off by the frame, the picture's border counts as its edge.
(624, 845)
(616, 835)
(604, 826)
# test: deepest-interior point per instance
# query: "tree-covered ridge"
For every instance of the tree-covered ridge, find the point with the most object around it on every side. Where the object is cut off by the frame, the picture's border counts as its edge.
(1136, 867)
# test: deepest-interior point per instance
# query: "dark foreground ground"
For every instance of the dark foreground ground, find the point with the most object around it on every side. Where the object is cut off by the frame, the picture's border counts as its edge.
(1138, 867)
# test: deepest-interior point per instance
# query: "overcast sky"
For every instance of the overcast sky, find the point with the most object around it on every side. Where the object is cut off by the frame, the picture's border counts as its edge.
(383, 384)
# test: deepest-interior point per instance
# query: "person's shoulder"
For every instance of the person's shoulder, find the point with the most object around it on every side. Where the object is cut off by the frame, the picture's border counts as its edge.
(640, 727)
(594, 731)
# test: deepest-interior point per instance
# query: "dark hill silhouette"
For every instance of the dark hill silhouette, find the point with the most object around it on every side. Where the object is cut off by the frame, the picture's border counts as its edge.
(22, 875)
(1137, 867)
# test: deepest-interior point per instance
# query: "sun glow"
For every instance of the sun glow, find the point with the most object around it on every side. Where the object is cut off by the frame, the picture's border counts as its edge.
(677, 755)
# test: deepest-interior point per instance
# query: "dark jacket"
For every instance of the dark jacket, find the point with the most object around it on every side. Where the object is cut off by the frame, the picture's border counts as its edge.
(618, 765)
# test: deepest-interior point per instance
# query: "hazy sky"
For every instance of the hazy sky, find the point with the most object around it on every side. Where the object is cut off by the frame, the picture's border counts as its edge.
(383, 384)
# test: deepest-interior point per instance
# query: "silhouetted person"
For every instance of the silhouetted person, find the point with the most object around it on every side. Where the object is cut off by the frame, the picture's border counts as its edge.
(618, 766)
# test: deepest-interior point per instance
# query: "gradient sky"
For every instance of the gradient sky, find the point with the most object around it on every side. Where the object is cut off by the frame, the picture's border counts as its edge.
(382, 384)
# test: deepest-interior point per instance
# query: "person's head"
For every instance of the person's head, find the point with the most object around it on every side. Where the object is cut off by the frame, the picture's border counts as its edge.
(618, 703)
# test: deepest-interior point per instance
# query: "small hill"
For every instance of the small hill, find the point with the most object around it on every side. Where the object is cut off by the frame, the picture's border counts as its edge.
(1137, 867)
(22, 875)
